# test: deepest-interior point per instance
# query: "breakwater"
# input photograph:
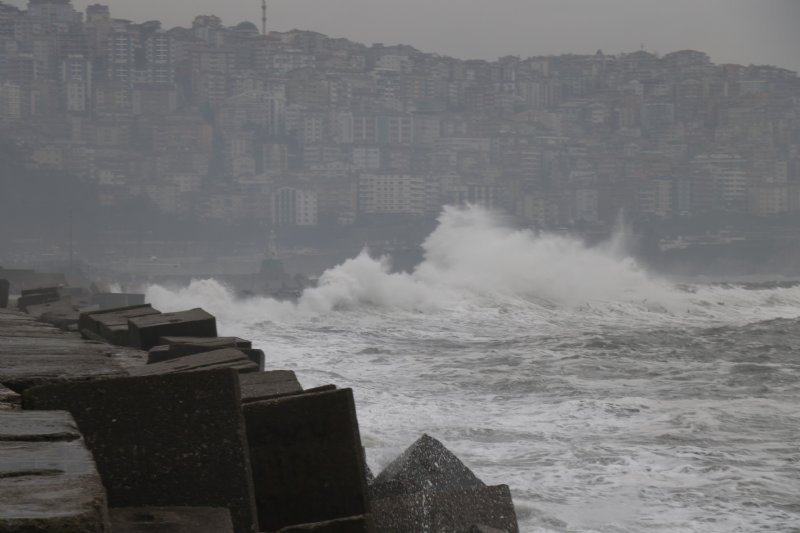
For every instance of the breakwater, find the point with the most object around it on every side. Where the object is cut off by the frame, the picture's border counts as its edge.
(128, 419)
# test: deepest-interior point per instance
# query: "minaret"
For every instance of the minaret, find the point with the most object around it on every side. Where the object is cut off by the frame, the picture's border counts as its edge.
(263, 17)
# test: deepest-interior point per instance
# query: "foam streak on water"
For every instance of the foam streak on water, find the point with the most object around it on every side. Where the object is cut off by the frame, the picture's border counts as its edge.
(608, 400)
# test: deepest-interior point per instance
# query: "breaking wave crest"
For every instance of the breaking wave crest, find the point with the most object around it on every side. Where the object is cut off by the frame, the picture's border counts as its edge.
(474, 259)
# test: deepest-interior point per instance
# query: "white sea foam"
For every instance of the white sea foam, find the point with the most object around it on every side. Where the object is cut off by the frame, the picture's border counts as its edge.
(603, 396)
(473, 258)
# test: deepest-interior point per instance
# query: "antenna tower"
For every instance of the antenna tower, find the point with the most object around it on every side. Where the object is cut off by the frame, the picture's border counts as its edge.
(263, 17)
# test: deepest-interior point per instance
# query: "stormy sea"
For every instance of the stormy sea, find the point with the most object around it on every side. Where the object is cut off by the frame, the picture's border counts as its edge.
(609, 400)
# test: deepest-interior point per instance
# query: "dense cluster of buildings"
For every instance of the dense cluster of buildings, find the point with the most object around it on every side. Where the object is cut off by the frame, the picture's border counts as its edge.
(296, 128)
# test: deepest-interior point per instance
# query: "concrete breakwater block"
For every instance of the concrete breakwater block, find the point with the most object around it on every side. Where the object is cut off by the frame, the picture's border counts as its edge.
(32, 353)
(145, 331)
(60, 314)
(425, 465)
(307, 460)
(38, 296)
(48, 480)
(352, 524)
(454, 510)
(194, 345)
(5, 290)
(112, 324)
(225, 358)
(172, 347)
(264, 385)
(165, 440)
(171, 519)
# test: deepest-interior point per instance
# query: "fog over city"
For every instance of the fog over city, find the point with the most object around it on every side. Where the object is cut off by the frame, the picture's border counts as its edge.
(555, 244)
(730, 31)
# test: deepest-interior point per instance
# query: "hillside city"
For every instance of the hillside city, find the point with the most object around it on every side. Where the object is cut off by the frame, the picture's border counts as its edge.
(218, 123)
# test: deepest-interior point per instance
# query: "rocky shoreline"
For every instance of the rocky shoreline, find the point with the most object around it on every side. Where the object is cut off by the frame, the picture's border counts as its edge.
(125, 419)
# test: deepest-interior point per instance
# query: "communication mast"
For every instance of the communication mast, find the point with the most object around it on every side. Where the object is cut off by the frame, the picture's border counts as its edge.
(263, 17)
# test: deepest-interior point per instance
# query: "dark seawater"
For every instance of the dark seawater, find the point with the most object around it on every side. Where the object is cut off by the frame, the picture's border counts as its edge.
(607, 400)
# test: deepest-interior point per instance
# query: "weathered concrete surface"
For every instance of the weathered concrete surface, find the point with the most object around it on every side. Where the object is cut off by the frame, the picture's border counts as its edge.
(167, 440)
(453, 511)
(171, 520)
(48, 480)
(205, 341)
(60, 314)
(33, 353)
(173, 347)
(112, 324)
(307, 458)
(264, 385)
(425, 465)
(146, 330)
(5, 289)
(91, 320)
(225, 358)
(353, 524)
(37, 296)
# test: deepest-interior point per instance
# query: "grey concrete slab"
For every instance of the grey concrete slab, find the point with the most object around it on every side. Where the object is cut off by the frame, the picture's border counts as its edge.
(173, 347)
(89, 319)
(165, 440)
(33, 353)
(265, 385)
(225, 358)
(48, 479)
(307, 459)
(145, 331)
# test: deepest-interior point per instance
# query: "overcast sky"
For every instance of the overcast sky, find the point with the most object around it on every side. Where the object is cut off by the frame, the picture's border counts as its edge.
(730, 31)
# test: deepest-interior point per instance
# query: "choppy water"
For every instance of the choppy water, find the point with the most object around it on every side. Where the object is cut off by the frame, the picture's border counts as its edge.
(607, 400)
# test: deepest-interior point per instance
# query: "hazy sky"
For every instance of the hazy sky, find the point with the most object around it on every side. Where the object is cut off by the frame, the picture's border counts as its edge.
(735, 31)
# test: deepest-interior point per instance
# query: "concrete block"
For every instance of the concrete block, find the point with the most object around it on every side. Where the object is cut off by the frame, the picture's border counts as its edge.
(109, 300)
(33, 353)
(5, 290)
(307, 461)
(38, 296)
(171, 519)
(425, 465)
(256, 356)
(89, 319)
(61, 313)
(206, 341)
(112, 324)
(352, 524)
(225, 358)
(264, 385)
(145, 331)
(454, 511)
(48, 480)
(172, 347)
(166, 440)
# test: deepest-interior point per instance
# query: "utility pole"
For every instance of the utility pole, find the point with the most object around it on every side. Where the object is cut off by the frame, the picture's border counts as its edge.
(263, 17)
